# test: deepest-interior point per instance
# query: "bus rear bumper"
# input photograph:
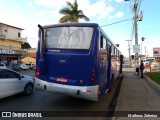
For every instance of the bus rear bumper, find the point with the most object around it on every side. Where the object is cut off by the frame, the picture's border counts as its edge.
(85, 92)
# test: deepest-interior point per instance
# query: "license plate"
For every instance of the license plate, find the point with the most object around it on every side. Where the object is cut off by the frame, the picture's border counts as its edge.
(60, 79)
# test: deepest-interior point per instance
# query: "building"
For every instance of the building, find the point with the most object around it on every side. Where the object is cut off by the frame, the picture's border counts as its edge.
(156, 52)
(30, 56)
(10, 42)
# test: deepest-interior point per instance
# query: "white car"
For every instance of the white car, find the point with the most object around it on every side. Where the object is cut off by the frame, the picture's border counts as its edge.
(23, 67)
(12, 82)
(147, 61)
(31, 66)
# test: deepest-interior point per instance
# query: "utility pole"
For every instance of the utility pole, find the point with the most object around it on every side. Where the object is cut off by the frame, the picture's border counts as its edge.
(129, 50)
(135, 22)
(135, 27)
(141, 46)
(136, 47)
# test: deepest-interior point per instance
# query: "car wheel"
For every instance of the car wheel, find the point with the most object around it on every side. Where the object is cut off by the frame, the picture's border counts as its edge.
(28, 89)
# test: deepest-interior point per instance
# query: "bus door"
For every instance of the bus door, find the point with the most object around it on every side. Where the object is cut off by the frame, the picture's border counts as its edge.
(103, 65)
(109, 65)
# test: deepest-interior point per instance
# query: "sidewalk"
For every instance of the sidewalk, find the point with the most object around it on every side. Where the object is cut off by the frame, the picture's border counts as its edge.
(137, 95)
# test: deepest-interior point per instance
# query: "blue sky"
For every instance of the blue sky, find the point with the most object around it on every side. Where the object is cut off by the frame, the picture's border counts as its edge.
(27, 14)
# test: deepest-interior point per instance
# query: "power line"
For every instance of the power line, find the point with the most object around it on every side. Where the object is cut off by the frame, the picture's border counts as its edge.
(139, 5)
(117, 22)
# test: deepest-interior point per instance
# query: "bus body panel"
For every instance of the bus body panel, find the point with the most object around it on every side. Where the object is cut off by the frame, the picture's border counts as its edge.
(71, 67)
(69, 71)
(85, 92)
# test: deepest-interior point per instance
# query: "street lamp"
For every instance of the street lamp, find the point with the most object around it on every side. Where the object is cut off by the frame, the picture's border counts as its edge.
(141, 45)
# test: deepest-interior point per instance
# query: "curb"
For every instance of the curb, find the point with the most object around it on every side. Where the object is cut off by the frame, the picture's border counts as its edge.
(116, 107)
(152, 83)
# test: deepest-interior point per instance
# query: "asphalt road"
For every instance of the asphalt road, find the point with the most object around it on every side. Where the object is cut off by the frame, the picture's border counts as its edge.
(42, 101)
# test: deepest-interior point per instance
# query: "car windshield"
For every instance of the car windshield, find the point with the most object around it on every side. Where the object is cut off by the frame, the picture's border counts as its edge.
(69, 37)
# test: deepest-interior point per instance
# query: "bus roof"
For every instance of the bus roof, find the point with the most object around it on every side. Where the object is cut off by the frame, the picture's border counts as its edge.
(71, 24)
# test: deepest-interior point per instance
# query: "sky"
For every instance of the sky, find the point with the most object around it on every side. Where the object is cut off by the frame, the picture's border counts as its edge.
(27, 14)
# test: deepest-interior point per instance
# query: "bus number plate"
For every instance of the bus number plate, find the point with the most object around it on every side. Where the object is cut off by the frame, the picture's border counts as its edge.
(60, 79)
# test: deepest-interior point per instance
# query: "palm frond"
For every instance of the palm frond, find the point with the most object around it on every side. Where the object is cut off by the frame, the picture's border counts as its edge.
(70, 5)
(64, 11)
(75, 5)
(83, 17)
(71, 13)
(65, 19)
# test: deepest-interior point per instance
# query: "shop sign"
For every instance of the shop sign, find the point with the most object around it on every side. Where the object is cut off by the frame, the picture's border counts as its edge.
(7, 52)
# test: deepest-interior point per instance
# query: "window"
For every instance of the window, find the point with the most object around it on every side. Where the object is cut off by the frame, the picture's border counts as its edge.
(69, 37)
(103, 43)
(7, 74)
(19, 34)
(5, 30)
(113, 50)
(156, 52)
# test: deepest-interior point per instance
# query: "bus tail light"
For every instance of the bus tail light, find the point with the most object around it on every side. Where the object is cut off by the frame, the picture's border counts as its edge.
(92, 76)
(37, 73)
(92, 80)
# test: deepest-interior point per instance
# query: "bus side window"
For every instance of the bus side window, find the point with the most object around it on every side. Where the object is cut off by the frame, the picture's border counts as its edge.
(101, 42)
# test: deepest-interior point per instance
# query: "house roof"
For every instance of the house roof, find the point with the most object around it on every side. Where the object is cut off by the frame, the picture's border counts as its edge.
(11, 26)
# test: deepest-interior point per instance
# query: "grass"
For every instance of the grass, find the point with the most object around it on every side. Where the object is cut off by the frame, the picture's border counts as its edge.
(155, 76)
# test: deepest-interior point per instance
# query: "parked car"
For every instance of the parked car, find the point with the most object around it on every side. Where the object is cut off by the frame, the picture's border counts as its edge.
(31, 66)
(12, 82)
(23, 67)
(147, 61)
(2, 65)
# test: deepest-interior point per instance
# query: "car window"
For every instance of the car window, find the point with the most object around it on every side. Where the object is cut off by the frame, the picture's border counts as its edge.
(7, 74)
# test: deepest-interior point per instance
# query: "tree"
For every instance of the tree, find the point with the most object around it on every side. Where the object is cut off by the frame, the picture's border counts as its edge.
(71, 13)
(26, 45)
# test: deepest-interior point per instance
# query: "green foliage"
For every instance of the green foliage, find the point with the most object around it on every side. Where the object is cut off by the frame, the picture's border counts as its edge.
(71, 13)
(26, 45)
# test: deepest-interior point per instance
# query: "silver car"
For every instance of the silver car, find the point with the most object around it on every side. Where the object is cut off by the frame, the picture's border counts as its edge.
(12, 82)
(2, 65)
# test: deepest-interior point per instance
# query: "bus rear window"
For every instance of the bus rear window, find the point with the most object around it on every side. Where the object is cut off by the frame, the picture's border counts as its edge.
(69, 37)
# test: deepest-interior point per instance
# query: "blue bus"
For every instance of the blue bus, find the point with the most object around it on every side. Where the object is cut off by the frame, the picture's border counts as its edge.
(76, 59)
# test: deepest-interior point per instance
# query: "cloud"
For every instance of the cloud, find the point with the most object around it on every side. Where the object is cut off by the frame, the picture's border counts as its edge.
(119, 0)
(99, 10)
(18, 7)
(29, 4)
(117, 15)
(40, 14)
(51, 4)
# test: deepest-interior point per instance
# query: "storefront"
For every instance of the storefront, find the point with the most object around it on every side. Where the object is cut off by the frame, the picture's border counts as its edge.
(6, 55)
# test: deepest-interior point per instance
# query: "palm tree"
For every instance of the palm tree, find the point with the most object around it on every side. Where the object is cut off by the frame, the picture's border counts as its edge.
(71, 13)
